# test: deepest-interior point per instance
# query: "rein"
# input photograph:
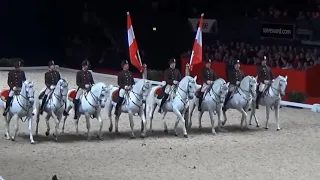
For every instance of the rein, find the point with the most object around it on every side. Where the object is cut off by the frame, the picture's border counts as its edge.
(27, 108)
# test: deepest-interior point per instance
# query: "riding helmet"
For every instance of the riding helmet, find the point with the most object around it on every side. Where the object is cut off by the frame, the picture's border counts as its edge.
(51, 63)
(172, 60)
(124, 62)
(85, 63)
(17, 64)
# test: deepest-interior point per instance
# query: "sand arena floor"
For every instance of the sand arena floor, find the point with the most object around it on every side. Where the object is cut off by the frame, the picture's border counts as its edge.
(254, 154)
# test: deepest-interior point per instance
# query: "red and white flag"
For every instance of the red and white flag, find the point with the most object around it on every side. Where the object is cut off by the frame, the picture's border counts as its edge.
(133, 46)
(196, 55)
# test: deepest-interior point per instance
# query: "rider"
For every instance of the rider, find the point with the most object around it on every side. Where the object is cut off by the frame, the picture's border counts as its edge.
(172, 77)
(265, 77)
(208, 76)
(84, 81)
(51, 78)
(15, 80)
(235, 77)
(125, 82)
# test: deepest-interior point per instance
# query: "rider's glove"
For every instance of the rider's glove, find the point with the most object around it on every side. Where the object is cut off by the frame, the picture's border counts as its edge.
(52, 87)
(175, 82)
(14, 88)
(87, 86)
(238, 82)
(266, 82)
(126, 87)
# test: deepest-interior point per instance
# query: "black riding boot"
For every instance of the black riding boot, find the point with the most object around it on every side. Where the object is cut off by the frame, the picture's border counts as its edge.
(200, 100)
(9, 99)
(65, 113)
(226, 100)
(43, 103)
(76, 108)
(164, 99)
(258, 99)
(119, 103)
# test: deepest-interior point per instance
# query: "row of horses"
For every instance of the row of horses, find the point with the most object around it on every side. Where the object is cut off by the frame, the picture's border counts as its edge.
(141, 100)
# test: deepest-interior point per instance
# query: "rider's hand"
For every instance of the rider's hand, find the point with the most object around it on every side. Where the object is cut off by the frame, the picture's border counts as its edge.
(52, 87)
(208, 82)
(238, 82)
(14, 88)
(175, 82)
(87, 86)
(126, 87)
(266, 82)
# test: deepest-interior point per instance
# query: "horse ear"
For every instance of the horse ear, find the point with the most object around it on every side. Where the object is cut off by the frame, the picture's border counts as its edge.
(228, 84)
(286, 77)
(195, 78)
(257, 77)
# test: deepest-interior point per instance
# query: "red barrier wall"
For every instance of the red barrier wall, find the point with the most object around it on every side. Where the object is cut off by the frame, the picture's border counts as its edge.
(302, 81)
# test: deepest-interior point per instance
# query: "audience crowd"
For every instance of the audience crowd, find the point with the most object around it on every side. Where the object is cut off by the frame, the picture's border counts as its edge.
(287, 57)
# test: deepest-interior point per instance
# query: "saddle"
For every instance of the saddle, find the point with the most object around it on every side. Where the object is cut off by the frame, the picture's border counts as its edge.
(41, 95)
(159, 92)
(115, 96)
(4, 95)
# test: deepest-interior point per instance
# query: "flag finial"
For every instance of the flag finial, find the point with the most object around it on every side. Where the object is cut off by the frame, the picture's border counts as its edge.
(128, 13)
(202, 14)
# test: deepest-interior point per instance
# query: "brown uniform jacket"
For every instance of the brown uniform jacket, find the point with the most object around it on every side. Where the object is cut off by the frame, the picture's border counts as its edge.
(51, 78)
(15, 78)
(125, 78)
(235, 75)
(172, 74)
(264, 73)
(83, 78)
(208, 75)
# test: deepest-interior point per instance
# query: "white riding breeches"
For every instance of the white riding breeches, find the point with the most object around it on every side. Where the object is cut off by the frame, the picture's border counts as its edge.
(262, 87)
(232, 87)
(47, 92)
(79, 93)
(122, 92)
(168, 89)
(204, 87)
(11, 93)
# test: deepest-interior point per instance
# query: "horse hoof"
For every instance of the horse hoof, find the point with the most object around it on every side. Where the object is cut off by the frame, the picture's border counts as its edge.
(200, 127)
(266, 128)
(132, 137)
(257, 126)
(110, 129)
(32, 142)
(185, 136)
(166, 131)
(47, 133)
(278, 129)
(142, 136)
(13, 139)
(250, 124)
(175, 134)
(214, 133)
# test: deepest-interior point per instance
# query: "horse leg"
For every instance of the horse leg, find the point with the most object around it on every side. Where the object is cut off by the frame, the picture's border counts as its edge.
(253, 114)
(30, 129)
(151, 113)
(57, 121)
(65, 117)
(131, 124)
(117, 123)
(37, 122)
(219, 111)
(243, 117)
(16, 127)
(212, 122)
(76, 123)
(48, 124)
(101, 125)
(143, 123)
(7, 127)
(165, 122)
(87, 116)
(224, 117)
(200, 114)
(267, 116)
(109, 109)
(276, 111)
(179, 118)
(191, 109)
(186, 117)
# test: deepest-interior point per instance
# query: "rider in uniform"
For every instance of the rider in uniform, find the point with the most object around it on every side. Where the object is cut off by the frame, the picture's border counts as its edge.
(51, 79)
(125, 82)
(265, 77)
(172, 77)
(208, 76)
(235, 77)
(15, 79)
(84, 82)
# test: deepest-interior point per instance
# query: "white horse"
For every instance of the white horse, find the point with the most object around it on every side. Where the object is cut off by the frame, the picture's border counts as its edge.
(91, 103)
(178, 104)
(271, 98)
(21, 106)
(241, 98)
(133, 103)
(212, 101)
(55, 105)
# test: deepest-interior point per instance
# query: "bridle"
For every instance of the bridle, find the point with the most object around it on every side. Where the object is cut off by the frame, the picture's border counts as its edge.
(27, 98)
(138, 96)
(95, 98)
(187, 92)
(60, 96)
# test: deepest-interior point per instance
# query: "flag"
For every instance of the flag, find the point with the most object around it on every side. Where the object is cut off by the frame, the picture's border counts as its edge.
(133, 46)
(196, 54)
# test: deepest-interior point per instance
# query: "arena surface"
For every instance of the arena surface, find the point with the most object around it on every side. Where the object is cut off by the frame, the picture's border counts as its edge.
(254, 154)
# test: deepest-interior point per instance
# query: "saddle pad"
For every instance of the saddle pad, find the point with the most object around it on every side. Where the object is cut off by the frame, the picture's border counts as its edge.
(4, 94)
(115, 95)
(158, 91)
(72, 94)
(42, 94)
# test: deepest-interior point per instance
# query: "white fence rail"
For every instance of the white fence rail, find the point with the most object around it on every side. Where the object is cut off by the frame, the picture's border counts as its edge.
(314, 107)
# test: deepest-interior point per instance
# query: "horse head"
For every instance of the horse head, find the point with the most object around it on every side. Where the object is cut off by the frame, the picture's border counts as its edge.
(220, 89)
(100, 92)
(61, 90)
(249, 84)
(142, 88)
(188, 86)
(281, 84)
(27, 91)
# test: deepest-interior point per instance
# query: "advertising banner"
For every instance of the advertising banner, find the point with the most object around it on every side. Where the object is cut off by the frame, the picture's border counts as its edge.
(275, 30)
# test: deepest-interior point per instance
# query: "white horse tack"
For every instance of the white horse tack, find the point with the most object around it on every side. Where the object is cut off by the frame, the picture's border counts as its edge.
(271, 98)
(212, 101)
(132, 104)
(55, 105)
(242, 98)
(178, 105)
(91, 103)
(21, 106)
